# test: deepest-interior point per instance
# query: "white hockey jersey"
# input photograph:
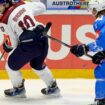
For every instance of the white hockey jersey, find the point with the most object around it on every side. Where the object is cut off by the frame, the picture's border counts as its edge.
(21, 15)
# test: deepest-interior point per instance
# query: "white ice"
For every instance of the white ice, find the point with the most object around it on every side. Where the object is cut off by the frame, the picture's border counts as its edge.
(73, 92)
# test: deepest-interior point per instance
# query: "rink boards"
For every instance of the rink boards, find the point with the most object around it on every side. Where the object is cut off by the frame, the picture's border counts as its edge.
(76, 73)
(72, 27)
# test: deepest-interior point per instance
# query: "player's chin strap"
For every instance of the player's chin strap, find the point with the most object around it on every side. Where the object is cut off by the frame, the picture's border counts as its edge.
(48, 26)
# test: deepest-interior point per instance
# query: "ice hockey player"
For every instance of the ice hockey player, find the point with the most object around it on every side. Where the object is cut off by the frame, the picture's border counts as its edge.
(97, 7)
(27, 45)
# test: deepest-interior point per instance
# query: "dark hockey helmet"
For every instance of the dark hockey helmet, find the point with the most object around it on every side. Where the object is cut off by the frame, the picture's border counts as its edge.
(8, 1)
(2, 1)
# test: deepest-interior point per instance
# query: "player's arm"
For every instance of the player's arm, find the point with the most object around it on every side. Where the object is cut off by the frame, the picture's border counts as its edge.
(9, 42)
(98, 47)
(6, 42)
(80, 50)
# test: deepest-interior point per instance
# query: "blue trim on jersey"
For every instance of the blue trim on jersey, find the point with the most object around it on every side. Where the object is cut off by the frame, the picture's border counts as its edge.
(94, 47)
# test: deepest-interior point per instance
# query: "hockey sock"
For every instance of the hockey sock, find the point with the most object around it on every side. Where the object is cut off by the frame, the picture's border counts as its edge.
(15, 77)
(46, 75)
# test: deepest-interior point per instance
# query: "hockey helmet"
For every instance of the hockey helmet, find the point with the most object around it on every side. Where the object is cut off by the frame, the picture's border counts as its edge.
(8, 1)
(97, 5)
(2, 1)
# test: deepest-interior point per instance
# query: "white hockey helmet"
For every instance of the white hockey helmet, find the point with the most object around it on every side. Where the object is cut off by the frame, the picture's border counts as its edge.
(97, 5)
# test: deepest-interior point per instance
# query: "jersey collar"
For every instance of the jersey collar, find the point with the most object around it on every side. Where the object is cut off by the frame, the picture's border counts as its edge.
(4, 18)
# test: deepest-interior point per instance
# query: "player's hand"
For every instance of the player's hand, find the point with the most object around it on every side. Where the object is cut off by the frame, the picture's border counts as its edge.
(39, 32)
(39, 29)
(79, 50)
(98, 57)
(7, 47)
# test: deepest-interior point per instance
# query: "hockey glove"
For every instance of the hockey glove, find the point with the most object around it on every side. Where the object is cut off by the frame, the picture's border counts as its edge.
(98, 57)
(39, 29)
(7, 47)
(39, 32)
(79, 50)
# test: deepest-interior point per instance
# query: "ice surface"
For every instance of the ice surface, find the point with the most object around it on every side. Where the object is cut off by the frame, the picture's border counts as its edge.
(73, 92)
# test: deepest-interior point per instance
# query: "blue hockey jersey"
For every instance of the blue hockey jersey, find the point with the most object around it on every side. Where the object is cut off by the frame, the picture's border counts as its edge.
(99, 27)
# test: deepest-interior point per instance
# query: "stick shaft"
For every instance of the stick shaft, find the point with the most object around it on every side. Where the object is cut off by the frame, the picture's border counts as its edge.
(59, 41)
(2, 55)
(48, 26)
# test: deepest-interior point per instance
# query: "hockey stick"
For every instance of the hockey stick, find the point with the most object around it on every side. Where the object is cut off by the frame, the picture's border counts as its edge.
(48, 25)
(2, 55)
